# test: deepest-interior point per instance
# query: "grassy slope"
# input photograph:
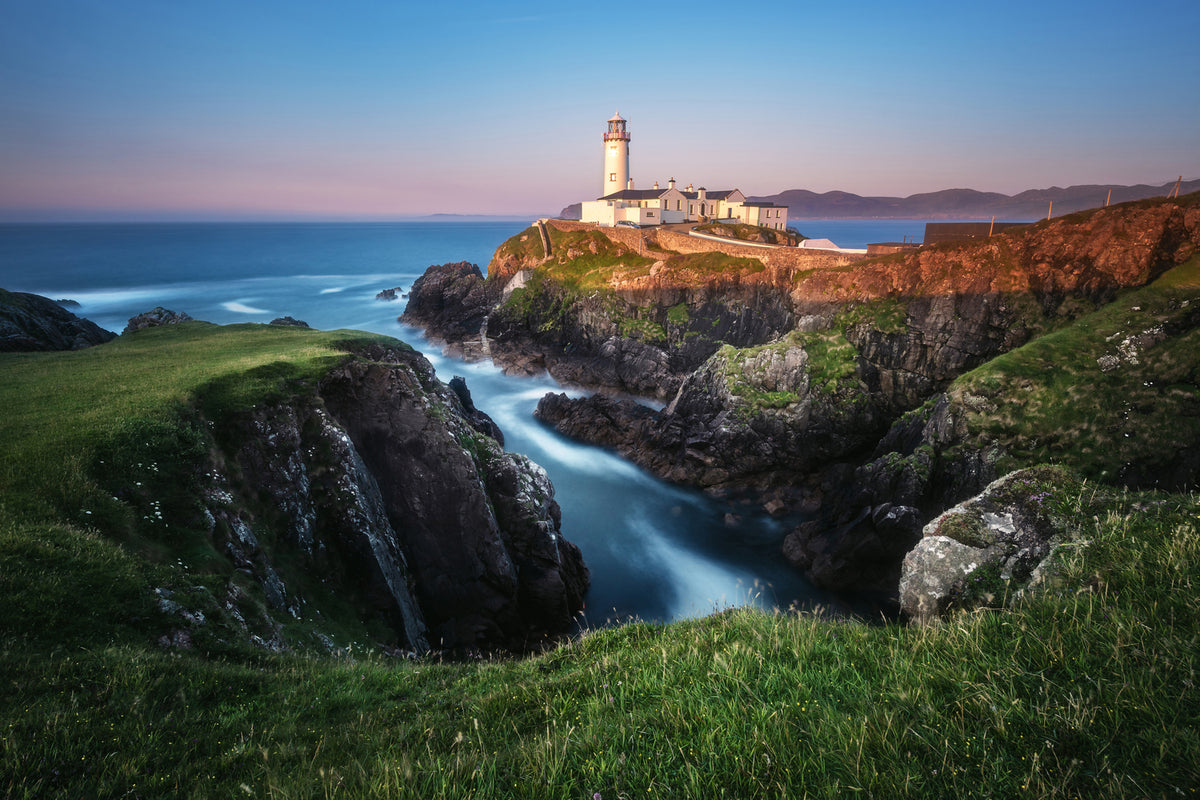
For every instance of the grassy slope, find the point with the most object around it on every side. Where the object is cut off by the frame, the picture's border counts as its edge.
(1086, 693)
(589, 261)
(99, 452)
(1057, 403)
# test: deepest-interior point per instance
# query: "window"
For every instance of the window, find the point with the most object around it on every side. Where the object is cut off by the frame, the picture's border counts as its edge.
(612, 177)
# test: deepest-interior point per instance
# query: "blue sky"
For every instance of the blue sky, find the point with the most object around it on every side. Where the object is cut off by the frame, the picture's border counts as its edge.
(215, 109)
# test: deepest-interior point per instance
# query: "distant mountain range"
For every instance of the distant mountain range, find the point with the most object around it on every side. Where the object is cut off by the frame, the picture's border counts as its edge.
(954, 203)
(964, 203)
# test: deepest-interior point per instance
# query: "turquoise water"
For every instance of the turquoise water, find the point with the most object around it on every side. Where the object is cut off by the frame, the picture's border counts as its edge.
(655, 551)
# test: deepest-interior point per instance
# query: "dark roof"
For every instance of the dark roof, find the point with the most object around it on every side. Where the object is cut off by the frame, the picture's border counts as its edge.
(636, 194)
(762, 205)
(717, 194)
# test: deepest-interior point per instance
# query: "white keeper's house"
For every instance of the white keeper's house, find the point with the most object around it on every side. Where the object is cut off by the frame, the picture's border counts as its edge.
(622, 203)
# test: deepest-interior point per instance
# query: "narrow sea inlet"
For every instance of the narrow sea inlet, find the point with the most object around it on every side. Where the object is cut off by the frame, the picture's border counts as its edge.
(655, 551)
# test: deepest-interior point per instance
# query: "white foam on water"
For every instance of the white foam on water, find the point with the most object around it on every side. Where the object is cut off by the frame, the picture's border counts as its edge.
(701, 585)
(241, 308)
(333, 290)
(108, 298)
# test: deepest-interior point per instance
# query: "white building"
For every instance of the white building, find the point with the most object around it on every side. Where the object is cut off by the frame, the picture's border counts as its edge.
(622, 203)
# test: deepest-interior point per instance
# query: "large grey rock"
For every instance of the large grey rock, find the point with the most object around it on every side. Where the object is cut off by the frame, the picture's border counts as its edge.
(986, 550)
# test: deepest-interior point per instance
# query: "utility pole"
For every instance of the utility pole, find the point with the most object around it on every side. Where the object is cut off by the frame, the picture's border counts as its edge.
(1108, 198)
(1051, 211)
(992, 226)
(1177, 187)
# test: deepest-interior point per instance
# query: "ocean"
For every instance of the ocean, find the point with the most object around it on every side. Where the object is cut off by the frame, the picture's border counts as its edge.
(655, 551)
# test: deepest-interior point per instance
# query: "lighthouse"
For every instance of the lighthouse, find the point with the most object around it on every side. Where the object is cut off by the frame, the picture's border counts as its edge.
(616, 156)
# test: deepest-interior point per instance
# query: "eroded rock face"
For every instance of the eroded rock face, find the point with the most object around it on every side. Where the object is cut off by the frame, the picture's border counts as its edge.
(479, 526)
(983, 551)
(737, 422)
(383, 486)
(450, 302)
(31, 322)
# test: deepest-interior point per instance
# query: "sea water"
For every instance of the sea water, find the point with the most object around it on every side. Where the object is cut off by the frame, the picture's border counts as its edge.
(655, 551)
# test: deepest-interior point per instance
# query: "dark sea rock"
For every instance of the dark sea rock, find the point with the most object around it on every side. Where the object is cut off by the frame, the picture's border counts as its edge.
(390, 295)
(478, 420)
(289, 322)
(154, 318)
(31, 322)
(451, 302)
(830, 402)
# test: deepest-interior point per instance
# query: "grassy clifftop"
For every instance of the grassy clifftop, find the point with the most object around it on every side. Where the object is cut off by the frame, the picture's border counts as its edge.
(99, 450)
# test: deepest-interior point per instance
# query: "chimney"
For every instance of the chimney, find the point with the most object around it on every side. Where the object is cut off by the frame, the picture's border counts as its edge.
(671, 183)
(656, 184)
(630, 186)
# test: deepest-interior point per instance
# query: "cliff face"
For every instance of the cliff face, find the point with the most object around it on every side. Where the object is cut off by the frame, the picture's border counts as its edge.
(383, 490)
(1091, 253)
(799, 404)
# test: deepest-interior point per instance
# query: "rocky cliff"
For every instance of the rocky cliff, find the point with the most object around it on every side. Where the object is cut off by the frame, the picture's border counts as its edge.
(813, 405)
(30, 322)
(376, 490)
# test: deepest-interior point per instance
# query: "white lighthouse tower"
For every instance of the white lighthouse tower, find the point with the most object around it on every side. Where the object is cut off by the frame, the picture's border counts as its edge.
(616, 156)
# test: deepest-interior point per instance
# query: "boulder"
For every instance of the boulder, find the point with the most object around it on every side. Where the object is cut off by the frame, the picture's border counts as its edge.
(154, 318)
(478, 420)
(289, 322)
(390, 295)
(987, 550)
(381, 486)
(479, 527)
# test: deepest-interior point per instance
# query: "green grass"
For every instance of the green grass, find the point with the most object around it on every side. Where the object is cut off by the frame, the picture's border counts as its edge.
(1085, 694)
(65, 411)
(887, 315)
(103, 455)
(1053, 400)
(831, 369)
(587, 260)
(525, 246)
(712, 265)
